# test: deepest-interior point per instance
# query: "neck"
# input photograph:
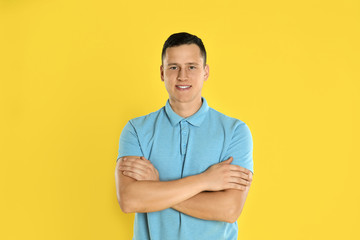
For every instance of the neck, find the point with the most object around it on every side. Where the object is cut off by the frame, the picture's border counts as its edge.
(186, 109)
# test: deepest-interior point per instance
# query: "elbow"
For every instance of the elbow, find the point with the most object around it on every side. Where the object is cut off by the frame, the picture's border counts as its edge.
(234, 214)
(126, 206)
(231, 219)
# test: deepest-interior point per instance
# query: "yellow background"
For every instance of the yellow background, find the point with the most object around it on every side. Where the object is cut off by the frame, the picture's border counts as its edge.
(74, 72)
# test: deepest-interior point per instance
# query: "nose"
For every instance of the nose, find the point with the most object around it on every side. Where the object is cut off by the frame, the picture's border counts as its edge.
(182, 74)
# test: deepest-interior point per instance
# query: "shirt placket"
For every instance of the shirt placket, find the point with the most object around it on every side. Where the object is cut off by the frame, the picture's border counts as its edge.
(184, 131)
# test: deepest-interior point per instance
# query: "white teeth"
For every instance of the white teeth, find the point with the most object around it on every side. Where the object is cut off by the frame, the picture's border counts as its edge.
(183, 86)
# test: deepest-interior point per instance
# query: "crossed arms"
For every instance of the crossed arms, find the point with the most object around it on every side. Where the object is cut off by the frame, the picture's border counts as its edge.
(219, 193)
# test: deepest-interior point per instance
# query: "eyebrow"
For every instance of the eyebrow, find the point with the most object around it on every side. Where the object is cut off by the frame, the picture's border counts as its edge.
(190, 63)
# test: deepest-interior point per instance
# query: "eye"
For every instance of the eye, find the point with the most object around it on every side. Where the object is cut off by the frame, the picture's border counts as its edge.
(192, 67)
(172, 68)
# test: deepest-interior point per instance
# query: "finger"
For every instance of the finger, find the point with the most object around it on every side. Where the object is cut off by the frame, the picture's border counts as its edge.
(147, 163)
(132, 175)
(132, 169)
(138, 168)
(137, 163)
(130, 158)
(228, 161)
(124, 159)
(119, 161)
(235, 186)
(143, 164)
(239, 168)
(143, 158)
(240, 181)
(241, 175)
(131, 164)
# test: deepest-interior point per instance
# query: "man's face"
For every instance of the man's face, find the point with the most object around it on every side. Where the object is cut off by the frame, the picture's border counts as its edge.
(184, 73)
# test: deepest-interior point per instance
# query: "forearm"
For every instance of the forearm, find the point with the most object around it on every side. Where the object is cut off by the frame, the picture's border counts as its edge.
(150, 196)
(139, 190)
(208, 206)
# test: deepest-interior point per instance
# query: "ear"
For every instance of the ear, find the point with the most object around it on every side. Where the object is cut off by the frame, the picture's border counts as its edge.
(206, 74)
(162, 73)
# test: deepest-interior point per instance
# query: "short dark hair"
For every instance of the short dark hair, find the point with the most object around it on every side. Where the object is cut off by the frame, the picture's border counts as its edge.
(182, 38)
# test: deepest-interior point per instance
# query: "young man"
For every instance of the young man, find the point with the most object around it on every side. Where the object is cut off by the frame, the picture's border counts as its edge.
(186, 169)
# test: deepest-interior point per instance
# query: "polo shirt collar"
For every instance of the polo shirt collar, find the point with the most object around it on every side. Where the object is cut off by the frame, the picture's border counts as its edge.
(196, 119)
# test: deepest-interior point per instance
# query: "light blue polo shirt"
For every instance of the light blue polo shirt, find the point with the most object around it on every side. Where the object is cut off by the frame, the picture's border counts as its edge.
(180, 147)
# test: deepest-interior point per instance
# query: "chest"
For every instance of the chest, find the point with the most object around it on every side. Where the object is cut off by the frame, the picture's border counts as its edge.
(184, 150)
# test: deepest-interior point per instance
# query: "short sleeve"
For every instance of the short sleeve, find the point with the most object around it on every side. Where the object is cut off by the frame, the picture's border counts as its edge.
(129, 142)
(241, 147)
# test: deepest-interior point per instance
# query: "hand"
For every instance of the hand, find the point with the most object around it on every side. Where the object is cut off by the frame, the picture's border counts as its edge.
(224, 175)
(138, 168)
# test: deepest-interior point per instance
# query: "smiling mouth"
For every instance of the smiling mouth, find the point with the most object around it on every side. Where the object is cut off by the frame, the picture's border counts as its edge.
(183, 86)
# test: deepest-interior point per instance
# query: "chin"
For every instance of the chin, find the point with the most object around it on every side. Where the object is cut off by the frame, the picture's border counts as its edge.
(184, 99)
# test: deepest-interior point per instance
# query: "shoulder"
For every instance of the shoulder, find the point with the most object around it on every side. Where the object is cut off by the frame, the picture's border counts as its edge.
(227, 121)
(147, 120)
